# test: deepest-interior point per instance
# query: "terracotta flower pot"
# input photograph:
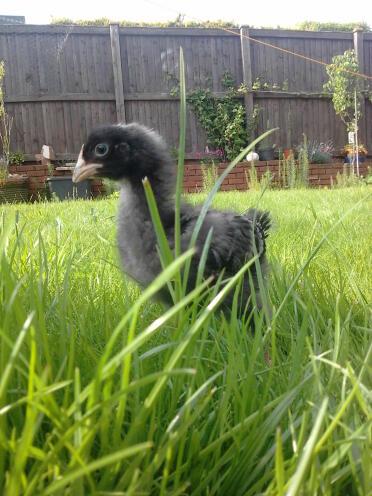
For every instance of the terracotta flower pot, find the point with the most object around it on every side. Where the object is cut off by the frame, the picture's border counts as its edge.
(287, 152)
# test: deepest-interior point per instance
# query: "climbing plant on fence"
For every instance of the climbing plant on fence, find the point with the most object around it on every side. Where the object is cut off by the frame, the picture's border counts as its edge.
(224, 119)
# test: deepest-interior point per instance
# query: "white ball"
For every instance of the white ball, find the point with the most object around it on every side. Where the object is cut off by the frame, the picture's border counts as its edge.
(252, 156)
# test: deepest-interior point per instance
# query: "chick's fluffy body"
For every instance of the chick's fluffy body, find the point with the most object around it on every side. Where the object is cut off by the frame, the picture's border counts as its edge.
(235, 238)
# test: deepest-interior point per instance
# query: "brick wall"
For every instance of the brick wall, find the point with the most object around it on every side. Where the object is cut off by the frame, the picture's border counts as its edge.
(319, 174)
(38, 173)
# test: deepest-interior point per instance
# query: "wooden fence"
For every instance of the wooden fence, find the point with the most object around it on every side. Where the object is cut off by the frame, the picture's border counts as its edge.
(62, 81)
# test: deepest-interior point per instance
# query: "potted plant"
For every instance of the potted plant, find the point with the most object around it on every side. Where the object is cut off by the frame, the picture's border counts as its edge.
(317, 153)
(265, 149)
(13, 187)
(348, 150)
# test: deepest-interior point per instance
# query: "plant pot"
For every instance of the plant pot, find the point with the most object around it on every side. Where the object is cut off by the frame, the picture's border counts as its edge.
(14, 190)
(348, 159)
(65, 189)
(266, 153)
(287, 152)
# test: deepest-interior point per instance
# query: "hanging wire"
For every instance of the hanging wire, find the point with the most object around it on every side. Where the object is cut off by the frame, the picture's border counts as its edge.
(260, 42)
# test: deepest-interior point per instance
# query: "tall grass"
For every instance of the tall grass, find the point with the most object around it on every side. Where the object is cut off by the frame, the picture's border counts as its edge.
(100, 390)
(104, 392)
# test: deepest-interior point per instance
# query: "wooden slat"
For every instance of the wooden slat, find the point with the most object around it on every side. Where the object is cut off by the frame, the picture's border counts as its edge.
(118, 75)
(359, 52)
(247, 71)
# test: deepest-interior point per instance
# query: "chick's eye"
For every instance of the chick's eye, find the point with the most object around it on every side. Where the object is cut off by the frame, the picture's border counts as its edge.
(101, 150)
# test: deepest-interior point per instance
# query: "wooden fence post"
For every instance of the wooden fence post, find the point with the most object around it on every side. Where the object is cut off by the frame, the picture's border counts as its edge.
(358, 49)
(118, 75)
(247, 70)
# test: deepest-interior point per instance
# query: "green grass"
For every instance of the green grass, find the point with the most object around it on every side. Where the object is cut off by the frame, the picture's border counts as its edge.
(104, 392)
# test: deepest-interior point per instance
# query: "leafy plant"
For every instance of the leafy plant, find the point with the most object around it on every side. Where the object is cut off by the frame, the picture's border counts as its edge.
(259, 84)
(110, 187)
(178, 21)
(210, 176)
(332, 26)
(368, 178)
(16, 158)
(173, 150)
(224, 119)
(256, 84)
(347, 179)
(343, 83)
(349, 149)
(251, 178)
(303, 164)
(317, 153)
(294, 174)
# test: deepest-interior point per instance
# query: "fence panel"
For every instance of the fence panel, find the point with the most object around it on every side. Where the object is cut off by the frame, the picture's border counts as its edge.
(62, 81)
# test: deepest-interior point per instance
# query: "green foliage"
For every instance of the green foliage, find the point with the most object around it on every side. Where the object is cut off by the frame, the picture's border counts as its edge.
(178, 22)
(111, 187)
(303, 165)
(343, 82)
(66, 315)
(251, 178)
(210, 176)
(16, 158)
(332, 26)
(173, 150)
(347, 179)
(259, 84)
(294, 174)
(224, 119)
(254, 184)
(316, 152)
(368, 178)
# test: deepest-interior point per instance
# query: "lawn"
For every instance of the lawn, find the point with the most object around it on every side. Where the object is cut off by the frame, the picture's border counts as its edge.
(104, 392)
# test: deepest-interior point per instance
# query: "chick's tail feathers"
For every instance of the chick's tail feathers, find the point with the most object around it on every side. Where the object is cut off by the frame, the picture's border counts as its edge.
(262, 223)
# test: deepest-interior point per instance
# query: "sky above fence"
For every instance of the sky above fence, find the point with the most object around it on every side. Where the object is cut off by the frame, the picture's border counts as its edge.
(269, 13)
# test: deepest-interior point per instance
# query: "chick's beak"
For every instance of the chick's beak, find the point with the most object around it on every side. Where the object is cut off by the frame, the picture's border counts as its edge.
(83, 170)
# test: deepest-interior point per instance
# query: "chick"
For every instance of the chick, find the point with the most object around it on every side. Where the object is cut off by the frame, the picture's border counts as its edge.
(128, 154)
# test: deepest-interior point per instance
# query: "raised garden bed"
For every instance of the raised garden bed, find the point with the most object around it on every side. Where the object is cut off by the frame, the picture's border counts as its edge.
(37, 175)
(14, 190)
(64, 189)
(320, 175)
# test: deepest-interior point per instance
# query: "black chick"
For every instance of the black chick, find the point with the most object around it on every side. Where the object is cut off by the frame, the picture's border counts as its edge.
(127, 154)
